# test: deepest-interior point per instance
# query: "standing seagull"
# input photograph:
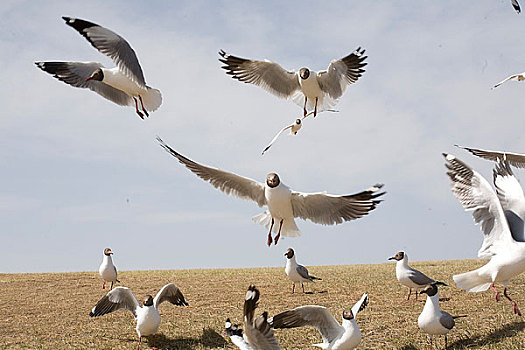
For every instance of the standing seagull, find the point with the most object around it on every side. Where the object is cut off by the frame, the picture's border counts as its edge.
(123, 84)
(501, 223)
(258, 332)
(409, 276)
(515, 77)
(317, 90)
(432, 320)
(283, 203)
(107, 270)
(295, 272)
(147, 317)
(514, 159)
(335, 336)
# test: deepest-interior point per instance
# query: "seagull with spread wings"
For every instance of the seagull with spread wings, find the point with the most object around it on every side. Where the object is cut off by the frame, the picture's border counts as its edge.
(501, 214)
(309, 89)
(124, 84)
(147, 316)
(283, 203)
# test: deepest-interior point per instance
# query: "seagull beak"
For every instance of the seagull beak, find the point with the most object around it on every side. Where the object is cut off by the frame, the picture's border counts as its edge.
(90, 78)
(392, 258)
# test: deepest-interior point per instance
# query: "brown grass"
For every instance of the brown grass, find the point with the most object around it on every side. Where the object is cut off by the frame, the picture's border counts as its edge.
(50, 311)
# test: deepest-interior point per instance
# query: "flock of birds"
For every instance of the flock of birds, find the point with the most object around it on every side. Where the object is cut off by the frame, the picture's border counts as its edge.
(501, 212)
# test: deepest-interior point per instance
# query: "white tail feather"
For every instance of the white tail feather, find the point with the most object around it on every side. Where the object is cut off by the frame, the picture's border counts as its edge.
(152, 100)
(289, 228)
(472, 281)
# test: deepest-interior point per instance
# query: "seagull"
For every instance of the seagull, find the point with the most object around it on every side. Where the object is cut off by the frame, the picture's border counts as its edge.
(501, 215)
(295, 272)
(515, 159)
(123, 84)
(107, 270)
(409, 276)
(335, 336)
(432, 320)
(317, 90)
(515, 77)
(258, 334)
(283, 203)
(147, 316)
(516, 5)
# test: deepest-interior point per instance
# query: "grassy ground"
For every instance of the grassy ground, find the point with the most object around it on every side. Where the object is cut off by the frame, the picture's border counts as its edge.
(50, 311)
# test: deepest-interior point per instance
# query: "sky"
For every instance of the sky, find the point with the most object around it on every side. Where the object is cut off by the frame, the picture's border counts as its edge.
(80, 173)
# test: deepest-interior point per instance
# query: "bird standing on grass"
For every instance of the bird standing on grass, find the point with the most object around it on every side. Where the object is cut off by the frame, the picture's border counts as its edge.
(147, 316)
(295, 272)
(107, 270)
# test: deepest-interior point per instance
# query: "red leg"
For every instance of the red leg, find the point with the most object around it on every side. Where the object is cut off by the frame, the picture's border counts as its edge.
(293, 288)
(279, 233)
(137, 109)
(304, 108)
(142, 104)
(153, 342)
(270, 234)
(495, 291)
(104, 285)
(138, 346)
(110, 288)
(409, 294)
(446, 345)
(302, 285)
(416, 294)
(430, 342)
(315, 108)
(514, 305)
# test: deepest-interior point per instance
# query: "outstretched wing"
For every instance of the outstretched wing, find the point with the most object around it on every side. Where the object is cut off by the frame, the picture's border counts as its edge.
(266, 74)
(515, 159)
(258, 331)
(517, 77)
(170, 292)
(516, 5)
(118, 298)
(276, 136)
(112, 45)
(228, 183)
(475, 193)
(360, 305)
(328, 209)
(235, 334)
(341, 73)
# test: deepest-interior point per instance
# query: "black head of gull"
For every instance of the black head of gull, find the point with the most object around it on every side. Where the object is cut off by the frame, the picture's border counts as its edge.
(272, 180)
(348, 314)
(97, 75)
(304, 73)
(107, 251)
(432, 288)
(148, 301)
(398, 256)
(289, 253)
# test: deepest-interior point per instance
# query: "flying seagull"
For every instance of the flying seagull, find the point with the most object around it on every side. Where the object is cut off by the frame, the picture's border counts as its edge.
(335, 336)
(309, 89)
(107, 270)
(283, 203)
(432, 320)
(258, 333)
(515, 77)
(147, 316)
(295, 272)
(409, 276)
(123, 84)
(514, 159)
(500, 214)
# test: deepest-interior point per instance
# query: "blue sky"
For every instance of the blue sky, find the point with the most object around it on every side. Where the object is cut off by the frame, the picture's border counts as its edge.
(80, 173)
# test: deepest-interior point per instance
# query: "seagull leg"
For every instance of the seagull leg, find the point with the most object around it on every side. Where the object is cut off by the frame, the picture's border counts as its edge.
(430, 342)
(315, 108)
(446, 345)
(302, 285)
(142, 104)
(514, 305)
(293, 287)
(495, 291)
(270, 234)
(153, 342)
(137, 109)
(104, 285)
(138, 345)
(409, 294)
(304, 108)
(279, 233)
(416, 294)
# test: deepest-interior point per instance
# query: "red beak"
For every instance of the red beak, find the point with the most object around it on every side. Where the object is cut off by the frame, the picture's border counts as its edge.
(90, 78)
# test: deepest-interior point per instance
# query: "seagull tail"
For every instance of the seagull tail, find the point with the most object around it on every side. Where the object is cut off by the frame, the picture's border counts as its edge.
(472, 281)
(313, 278)
(289, 228)
(153, 99)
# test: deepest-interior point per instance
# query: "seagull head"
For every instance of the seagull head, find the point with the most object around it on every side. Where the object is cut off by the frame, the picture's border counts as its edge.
(348, 314)
(298, 121)
(107, 252)
(304, 73)
(272, 180)
(148, 301)
(96, 75)
(430, 290)
(398, 256)
(289, 253)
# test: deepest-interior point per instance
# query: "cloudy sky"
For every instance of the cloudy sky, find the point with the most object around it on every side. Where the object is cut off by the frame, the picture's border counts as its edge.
(80, 173)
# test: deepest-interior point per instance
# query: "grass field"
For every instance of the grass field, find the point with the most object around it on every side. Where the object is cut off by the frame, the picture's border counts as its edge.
(50, 311)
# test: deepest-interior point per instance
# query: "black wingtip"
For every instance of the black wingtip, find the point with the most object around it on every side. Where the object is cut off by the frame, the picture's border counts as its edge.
(91, 314)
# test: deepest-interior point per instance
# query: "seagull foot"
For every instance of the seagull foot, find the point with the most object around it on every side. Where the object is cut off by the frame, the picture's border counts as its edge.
(276, 239)
(146, 112)
(269, 240)
(140, 115)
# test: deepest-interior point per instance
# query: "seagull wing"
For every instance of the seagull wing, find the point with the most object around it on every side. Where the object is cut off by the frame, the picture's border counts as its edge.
(475, 193)
(419, 277)
(170, 292)
(76, 73)
(314, 316)
(512, 77)
(360, 305)
(340, 73)
(236, 336)
(112, 45)
(118, 298)
(266, 74)
(258, 331)
(302, 271)
(276, 136)
(447, 320)
(228, 183)
(516, 5)
(327, 209)
(515, 159)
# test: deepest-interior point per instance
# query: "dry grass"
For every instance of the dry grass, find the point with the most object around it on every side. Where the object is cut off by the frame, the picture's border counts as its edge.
(50, 311)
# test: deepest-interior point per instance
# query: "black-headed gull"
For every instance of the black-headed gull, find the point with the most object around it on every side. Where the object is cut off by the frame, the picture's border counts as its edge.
(258, 333)
(295, 272)
(409, 276)
(124, 84)
(335, 336)
(283, 203)
(514, 159)
(147, 316)
(315, 90)
(107, 270)
(432, 320)
(515, 77)
(500, 214)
